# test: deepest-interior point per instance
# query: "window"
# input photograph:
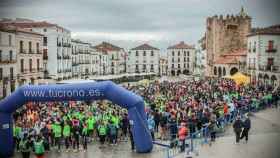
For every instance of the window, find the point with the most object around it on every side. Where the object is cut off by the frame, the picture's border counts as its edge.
(224, 71)
(45, 41)
(184, 65)
(144, 53)
(30, 65)
(136, 53)
(21, 65)
(215, 70)
(172, 66)
(178, 53)
(184, 59)
(249, 47)
(173, 53)
(38, 64)
(152, 53)
(136, 68)
(185, 53)
(0, 55)
(21, 46)
(11, 55)
(270, 45)
(178, 59)
(152, 68)
(179, 66)
(144, 68)
(30, 46)
(1, 73)
(173, 60)
(45, 30)
(270, 61)
(10, 40)
(11, 73)
(37, 47)
(188, 53)
(254, 47)
(188, 59)
(0, 38)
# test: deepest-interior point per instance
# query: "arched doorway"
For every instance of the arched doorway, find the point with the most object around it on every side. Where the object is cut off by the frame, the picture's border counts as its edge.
(233, 71)
(75, 92)
(224, 71)
(186, 72)
(173, 72)
(178, 72)
(219, 71)
(215, 70)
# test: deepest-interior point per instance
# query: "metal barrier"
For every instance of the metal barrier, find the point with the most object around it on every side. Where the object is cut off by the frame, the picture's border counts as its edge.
(202, 136)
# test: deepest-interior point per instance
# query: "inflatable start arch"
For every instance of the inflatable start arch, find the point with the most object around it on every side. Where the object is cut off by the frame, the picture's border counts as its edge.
(76, 92)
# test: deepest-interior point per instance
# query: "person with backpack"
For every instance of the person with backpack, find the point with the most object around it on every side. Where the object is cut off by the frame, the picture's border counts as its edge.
(39, 147)
(24, 146)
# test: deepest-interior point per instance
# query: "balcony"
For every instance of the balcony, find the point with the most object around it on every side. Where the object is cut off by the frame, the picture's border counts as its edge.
(7, 61)
(45, 57)
(59, 57)
(22, 51)
(269, 68)
(66, 45)
(270, 49)
(59, 44)
(66, 57)
(31, 51)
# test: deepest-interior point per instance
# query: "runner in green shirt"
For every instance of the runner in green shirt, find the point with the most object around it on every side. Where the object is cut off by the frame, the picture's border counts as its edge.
(66, 134)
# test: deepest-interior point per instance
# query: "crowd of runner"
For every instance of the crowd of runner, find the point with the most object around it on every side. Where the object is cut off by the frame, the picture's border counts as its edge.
(174, 111)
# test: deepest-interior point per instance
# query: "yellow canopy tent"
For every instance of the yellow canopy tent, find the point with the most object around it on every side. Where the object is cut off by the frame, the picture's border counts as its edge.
(240, 78)
(144, 82)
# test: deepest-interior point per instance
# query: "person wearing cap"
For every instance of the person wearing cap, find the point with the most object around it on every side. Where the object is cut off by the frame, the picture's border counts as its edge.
(237, 126)
(246, 128)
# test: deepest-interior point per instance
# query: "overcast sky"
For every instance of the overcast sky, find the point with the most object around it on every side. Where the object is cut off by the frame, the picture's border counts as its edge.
(128, 23)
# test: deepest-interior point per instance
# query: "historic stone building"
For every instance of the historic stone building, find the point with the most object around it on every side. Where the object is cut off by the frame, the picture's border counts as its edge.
(225, 34)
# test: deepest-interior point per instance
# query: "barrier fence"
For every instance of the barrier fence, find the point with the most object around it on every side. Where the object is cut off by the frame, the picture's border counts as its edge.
(203, 136)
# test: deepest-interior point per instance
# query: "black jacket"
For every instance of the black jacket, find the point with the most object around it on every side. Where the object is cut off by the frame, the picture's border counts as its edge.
(247, 124)
(237, 125)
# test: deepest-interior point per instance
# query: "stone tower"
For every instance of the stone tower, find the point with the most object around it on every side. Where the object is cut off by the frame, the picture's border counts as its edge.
(224, 35)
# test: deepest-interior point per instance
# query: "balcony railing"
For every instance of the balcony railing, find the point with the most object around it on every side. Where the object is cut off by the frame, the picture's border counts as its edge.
(7, 61)
(31, 51)
(270, 49)
(269, 68)
(45, 57)
(58, 57)
(22, 51)
(59, 44)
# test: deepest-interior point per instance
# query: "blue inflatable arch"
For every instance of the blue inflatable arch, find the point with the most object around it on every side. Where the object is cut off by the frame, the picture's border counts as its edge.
(75, 92)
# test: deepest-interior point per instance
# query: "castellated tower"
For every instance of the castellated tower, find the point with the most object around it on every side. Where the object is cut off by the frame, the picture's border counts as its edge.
(224, 35)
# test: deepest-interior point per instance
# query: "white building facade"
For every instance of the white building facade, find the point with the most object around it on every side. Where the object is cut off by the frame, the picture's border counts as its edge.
(181, 59)
(115, 56)
(29, 47)
(56, 47)
(263, 58)
(143, 59)
(81, 59)
(8, 59)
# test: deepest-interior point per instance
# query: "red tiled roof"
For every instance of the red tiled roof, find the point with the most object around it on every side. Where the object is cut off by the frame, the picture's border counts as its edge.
(14, 29)
(144, 47)
(105, 47)
(181, 45)
(271, 30)
(31, 24)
